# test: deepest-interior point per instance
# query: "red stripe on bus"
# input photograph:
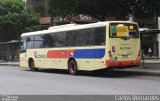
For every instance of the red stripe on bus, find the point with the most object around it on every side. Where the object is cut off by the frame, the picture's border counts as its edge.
(110, 63)
(59, 53)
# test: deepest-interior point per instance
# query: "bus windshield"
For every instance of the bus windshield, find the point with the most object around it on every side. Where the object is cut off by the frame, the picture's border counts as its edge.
(120, 30)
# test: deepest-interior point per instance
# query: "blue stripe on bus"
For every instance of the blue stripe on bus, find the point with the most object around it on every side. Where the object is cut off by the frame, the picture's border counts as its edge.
(89, 53)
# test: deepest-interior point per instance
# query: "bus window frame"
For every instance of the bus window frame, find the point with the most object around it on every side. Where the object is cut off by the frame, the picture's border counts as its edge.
(22, 50)
(66, 46)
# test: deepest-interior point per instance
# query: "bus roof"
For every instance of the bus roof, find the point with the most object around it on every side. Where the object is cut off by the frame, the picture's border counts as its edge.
(70, 27)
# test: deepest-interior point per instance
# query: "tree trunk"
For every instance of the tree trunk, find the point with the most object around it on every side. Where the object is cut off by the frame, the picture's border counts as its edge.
(51, 20)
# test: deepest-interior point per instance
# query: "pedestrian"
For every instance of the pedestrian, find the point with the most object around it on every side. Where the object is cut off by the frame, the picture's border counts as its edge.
(150, 52)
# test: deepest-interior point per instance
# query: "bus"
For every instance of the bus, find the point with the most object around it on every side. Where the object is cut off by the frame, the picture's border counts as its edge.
(88, 47)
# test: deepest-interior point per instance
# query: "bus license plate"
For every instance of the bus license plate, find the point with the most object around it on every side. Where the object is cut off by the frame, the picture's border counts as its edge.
(124, 56)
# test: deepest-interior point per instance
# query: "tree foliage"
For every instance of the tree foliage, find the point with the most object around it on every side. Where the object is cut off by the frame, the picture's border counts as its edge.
(62, 8)
(15, 19)
(95, 8)
(141, 8)
(102, 8)
(99, 9)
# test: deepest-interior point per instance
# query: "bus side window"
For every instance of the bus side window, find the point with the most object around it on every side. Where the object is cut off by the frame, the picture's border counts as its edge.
(71, 38)
(82, 38)
(86, 37)
(100, 36)
(38, 42)
(60, 39)
(48, 41)
(30, 42)
(90, 36)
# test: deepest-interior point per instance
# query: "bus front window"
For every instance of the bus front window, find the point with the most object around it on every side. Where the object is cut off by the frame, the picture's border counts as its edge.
(23, 45)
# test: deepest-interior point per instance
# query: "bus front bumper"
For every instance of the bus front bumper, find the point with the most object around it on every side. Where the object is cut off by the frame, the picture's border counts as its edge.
(129, 63)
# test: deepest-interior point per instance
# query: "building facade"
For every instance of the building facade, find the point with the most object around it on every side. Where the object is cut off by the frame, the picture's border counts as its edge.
(40, 6)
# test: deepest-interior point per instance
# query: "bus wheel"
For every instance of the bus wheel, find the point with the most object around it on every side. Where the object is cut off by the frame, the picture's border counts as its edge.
(32, 65)
(72, 67)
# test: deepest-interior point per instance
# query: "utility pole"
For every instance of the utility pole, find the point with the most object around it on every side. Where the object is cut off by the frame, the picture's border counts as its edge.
(158, 36)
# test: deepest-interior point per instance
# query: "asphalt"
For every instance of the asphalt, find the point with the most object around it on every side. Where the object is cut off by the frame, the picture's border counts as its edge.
(147, 67)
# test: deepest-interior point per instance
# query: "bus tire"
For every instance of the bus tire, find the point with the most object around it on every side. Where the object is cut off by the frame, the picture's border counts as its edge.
(72, 67)
(32, 65)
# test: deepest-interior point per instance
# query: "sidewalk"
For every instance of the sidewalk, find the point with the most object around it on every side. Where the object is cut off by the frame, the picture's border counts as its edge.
(140, 71)
(148, 67)
(15, 63)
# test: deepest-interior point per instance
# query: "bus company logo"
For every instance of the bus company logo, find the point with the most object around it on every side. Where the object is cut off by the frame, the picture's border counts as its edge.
(39, 55)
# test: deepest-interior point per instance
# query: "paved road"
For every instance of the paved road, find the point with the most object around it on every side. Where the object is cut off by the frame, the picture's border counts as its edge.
(15, 81)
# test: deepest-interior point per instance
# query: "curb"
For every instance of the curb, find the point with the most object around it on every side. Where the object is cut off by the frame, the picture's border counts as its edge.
(121, 71)
(7, 64)
(138, 72)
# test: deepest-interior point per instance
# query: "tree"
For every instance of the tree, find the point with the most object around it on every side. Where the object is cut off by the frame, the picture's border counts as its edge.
(141, 8)
(62, 8)
(152, 7)
(104, 8)
(16, 18)
(131, 7)
(96, 8)
(99, 9)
